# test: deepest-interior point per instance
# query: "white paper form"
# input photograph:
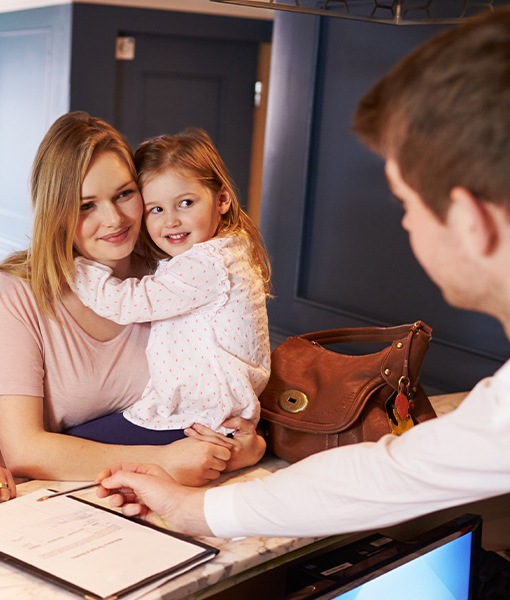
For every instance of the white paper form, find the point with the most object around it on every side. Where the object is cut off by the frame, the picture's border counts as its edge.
(90, 548)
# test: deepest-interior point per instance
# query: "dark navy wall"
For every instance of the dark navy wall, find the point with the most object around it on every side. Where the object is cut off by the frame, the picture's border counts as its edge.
(95, 27)
(189, 70)
(339, 255)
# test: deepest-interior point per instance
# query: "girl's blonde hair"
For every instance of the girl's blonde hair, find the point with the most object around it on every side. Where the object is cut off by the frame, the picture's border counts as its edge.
(192, 153)
(60, 165)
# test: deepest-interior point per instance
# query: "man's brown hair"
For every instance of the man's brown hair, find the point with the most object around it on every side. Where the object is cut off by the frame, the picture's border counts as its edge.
(443, 113)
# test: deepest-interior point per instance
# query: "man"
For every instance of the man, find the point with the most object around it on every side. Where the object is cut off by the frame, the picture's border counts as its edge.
(441, 120)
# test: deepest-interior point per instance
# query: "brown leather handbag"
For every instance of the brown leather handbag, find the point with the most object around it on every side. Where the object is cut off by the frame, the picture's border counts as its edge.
(318, 398)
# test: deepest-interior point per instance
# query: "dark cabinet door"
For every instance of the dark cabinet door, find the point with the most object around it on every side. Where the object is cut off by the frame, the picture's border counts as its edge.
(176, 82)
(189, 69)
(340, 256)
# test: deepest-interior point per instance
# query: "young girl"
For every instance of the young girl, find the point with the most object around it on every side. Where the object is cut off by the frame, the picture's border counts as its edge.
(208, 350)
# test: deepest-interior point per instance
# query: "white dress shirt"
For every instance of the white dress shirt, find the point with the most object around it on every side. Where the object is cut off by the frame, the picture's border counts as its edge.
(460, 457)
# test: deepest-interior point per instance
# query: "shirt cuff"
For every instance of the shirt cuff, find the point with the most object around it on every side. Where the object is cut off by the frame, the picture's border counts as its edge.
(220, 513)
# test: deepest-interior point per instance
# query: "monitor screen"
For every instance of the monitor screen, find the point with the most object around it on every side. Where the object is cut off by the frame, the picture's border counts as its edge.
(443, 574)
(442, 564)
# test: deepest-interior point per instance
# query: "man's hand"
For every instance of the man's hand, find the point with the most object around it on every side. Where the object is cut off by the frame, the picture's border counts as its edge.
(148, 490)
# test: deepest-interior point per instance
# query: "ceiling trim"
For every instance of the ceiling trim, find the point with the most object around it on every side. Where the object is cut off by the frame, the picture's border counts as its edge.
(198, 6)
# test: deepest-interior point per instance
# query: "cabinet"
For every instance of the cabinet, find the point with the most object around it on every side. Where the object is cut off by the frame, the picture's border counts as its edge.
(340, 257)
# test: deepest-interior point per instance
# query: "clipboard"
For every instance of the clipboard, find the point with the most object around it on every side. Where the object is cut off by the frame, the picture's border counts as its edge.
(92, 551)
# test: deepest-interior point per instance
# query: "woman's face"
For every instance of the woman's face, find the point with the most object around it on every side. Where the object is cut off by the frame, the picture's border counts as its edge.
(111, 212)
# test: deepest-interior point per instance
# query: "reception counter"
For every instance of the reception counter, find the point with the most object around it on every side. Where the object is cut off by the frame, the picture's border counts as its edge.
(246, 561)
(238, 559)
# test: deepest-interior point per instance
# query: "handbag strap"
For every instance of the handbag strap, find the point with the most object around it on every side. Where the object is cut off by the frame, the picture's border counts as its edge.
(365, 334)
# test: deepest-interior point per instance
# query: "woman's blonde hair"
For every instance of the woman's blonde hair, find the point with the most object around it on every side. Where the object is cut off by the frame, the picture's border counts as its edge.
(60, 165)
(192, 153)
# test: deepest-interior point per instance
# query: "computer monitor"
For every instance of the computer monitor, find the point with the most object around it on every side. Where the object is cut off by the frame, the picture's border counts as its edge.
(440, 564)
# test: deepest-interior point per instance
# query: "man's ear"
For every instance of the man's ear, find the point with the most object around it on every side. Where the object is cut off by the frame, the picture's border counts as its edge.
(224, 201)
(473, 220)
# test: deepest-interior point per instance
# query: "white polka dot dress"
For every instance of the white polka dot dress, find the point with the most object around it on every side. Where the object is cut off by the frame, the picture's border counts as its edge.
(208, 350)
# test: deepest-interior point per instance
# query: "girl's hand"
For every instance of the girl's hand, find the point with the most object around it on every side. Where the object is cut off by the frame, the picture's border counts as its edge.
(246, 447)
(7, 485)
(194, 463)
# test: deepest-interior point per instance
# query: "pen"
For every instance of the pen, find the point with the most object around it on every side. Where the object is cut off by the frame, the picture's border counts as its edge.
(78, 489)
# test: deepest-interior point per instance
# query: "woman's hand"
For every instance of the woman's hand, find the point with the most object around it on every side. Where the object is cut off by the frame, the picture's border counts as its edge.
(194, 463)
(7, 485)
(246, 447)
(148, 491)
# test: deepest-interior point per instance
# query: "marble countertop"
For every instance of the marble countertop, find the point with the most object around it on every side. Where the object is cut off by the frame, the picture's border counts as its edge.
(447, 402)
(236, 556)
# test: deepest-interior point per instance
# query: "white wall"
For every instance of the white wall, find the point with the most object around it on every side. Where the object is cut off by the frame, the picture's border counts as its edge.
(34, 91)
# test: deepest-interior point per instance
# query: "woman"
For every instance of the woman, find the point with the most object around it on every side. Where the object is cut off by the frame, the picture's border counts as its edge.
(61, 364)
(7, 485)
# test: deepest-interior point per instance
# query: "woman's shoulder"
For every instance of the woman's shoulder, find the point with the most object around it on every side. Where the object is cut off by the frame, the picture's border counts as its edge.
(11, 284)
(16, 296)
(18, 307)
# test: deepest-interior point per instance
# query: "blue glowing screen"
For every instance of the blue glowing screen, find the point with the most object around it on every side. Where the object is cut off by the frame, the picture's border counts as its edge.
(441, 574)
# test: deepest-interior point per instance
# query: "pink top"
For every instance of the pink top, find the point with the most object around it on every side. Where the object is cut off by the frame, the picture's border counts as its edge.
(208, 351)
(79, 377)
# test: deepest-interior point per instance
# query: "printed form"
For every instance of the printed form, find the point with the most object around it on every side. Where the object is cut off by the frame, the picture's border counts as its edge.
(91, 550)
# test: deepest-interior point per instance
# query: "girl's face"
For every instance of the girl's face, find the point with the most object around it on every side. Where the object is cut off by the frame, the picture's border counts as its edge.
(110, 212)
(180, 211)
